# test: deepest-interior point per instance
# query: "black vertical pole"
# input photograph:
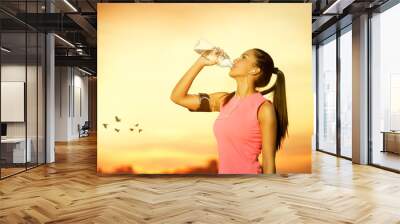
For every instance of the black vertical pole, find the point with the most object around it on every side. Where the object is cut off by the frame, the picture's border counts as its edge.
(317, 96)
(26, 86)
(369, 90)
(45, 87)
(1, 163)
(37, 88)
(338, 73)
(73, 91)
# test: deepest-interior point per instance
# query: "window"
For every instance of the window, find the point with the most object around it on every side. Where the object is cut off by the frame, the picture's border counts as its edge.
(327, 95)
(385, 88)
(346, 92)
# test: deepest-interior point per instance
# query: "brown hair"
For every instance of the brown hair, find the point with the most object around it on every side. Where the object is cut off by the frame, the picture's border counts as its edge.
(266, 65)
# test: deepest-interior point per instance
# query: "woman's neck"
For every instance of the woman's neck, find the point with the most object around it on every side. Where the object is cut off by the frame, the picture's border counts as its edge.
(244, 88)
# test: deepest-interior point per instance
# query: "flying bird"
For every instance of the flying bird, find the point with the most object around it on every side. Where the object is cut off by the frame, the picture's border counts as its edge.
(140, 130)
(105, 125)
(117, 119)
(116, 129)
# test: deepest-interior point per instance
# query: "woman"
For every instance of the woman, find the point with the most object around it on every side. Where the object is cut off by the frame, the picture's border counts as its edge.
(248, 124)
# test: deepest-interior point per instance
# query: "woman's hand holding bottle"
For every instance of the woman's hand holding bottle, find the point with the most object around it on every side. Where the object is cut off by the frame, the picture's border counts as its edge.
(210, 57)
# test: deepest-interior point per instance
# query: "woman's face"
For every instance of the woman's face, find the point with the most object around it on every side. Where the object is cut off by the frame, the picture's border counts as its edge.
(244, 65)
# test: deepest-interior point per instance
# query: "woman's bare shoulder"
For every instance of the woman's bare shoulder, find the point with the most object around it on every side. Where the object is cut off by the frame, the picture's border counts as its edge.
(266, 112)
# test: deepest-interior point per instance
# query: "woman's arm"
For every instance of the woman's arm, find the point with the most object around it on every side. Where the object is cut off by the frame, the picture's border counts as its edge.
(180, 94)
(193, 102)
(267, 120)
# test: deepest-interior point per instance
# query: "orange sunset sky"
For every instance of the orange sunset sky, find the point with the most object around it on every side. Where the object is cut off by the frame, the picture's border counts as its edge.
(145, 48)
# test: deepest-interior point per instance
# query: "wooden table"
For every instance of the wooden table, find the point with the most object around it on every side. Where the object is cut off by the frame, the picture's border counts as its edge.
(391, 141)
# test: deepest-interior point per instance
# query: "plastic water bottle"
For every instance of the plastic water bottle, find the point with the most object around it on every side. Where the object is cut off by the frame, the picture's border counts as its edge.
(203, 45)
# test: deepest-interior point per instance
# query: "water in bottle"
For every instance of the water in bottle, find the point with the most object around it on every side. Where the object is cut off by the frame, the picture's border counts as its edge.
(203, 45)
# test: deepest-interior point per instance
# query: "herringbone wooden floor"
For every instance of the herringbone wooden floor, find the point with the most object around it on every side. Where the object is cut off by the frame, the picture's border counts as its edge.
(69, 191)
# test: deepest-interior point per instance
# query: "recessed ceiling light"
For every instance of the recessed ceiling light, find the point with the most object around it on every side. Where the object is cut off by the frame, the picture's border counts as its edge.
(64, 40)
(338, 6)
(5, 50)
(70, 5)
(84, 71)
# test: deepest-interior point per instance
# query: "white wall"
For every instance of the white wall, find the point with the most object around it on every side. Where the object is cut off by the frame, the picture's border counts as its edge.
(62, 80)
(71, 93)
(16, 73)
(34, 126)
(81, 103)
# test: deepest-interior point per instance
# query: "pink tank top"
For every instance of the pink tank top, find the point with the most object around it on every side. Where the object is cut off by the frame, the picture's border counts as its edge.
(238, 135)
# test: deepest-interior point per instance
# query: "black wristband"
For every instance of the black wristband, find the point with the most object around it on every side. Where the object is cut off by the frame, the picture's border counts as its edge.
(204, 103)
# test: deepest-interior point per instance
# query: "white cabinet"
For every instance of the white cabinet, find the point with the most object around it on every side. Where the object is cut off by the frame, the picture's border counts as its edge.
(18, 149)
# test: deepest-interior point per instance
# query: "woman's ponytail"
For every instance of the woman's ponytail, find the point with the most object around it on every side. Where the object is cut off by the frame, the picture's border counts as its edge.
(279, 102)
(266, 64)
